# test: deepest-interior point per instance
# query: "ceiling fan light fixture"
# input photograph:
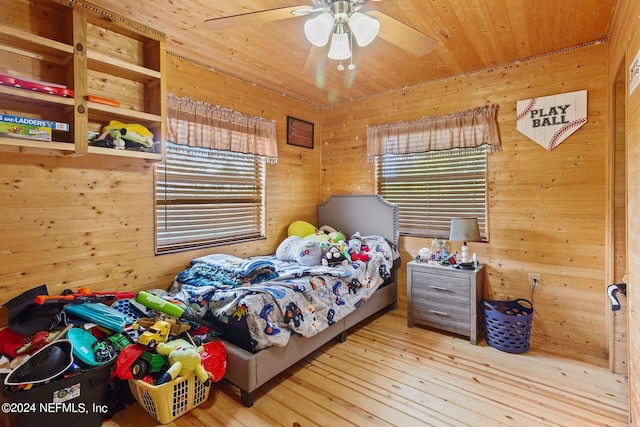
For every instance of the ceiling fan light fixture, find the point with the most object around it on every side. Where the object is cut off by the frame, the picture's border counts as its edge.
(364, 27)
(339, 46)
(318, 29)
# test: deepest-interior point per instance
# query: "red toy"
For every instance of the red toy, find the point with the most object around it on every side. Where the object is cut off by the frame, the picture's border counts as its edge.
(10, 342)
(363, 255)
(44, 87)
(214, 360)
(125, 359)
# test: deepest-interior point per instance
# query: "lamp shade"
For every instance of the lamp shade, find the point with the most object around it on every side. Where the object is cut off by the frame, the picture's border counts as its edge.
(339, 46)
(319, 29)
(365, 28)
(464, 230)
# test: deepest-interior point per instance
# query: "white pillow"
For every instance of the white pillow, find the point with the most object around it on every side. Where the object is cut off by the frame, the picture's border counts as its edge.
(295, 248)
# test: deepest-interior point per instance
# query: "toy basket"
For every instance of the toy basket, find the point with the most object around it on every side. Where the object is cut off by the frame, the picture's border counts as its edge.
(508, 324)
(168, 401)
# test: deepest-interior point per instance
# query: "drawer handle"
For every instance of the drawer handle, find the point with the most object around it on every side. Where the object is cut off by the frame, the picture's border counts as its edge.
(439, 313)
(439, 288)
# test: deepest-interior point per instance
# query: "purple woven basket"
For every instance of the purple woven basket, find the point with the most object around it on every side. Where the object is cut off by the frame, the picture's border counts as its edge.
(508, 324)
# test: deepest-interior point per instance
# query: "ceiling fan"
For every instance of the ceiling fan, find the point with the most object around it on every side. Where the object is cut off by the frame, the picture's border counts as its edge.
(335, 25)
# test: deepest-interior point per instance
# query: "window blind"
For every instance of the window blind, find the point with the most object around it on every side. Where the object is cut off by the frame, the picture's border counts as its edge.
(206, 197)
(431, 188)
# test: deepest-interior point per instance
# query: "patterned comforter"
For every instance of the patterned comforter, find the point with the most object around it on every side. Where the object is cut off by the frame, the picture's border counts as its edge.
(278, 298)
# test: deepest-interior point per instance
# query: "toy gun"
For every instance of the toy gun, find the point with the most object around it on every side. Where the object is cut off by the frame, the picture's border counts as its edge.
(156, 303)
(83, 295)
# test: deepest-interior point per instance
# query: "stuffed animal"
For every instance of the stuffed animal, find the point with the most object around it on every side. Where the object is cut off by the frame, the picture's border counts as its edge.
(300, 229)
(334, 235)
(334, 256)
(295, 248)
(319, 237)
(184, 359)
(122, 135)
(358, 251)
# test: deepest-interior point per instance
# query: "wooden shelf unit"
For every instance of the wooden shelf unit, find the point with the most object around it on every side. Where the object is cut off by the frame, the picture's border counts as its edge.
(92, 52)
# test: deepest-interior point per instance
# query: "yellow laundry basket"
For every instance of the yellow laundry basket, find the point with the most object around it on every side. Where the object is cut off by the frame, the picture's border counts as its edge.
(168, 401)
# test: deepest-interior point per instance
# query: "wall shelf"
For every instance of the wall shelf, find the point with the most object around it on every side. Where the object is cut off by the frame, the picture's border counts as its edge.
(92, 52)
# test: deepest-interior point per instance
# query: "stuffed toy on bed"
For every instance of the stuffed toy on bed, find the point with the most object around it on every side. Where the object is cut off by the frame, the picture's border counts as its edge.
(295, 248)
(335, 256)
(301, 229)
(358, 251)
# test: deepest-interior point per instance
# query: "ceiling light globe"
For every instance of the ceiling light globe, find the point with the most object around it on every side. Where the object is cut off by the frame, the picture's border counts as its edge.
(339, 46)
(364, 27)
(318, 29)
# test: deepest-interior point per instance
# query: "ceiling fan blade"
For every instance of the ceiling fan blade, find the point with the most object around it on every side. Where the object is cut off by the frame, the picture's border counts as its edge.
(253, 17)
(315, 59)
(402, 35)
(308, 11)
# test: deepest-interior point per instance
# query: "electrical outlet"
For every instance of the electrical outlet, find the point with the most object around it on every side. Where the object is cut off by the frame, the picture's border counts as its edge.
(535, 279)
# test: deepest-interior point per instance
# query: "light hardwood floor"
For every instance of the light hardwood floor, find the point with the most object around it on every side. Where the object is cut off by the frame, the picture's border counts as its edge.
(389, 374)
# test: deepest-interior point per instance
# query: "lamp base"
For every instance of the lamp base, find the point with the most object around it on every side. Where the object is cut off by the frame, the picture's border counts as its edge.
(464, 253)
(466, 265)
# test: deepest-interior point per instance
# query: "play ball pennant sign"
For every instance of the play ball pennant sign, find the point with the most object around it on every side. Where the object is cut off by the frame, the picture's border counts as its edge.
(549, 120)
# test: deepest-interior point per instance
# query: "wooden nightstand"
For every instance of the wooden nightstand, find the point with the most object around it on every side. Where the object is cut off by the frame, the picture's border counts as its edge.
(445, 298)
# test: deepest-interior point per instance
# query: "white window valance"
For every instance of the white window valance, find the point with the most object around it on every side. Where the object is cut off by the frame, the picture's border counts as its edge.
(200, 124)
(468, 129)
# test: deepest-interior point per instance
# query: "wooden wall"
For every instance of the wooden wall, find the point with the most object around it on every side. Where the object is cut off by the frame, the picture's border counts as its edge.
(623, 47)
(89, 221)
(546, 211)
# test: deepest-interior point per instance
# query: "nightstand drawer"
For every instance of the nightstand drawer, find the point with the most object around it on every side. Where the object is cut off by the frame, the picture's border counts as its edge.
(451, 291)
(451, 318)
(447, 279)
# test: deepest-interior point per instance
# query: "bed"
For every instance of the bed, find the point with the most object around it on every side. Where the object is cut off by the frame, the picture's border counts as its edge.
(317, 302)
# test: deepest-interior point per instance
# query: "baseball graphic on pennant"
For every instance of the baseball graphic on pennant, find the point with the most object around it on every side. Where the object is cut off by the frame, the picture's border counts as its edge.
(549, 120)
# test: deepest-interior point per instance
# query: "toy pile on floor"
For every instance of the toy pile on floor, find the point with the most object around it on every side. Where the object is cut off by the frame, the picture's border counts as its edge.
(90, 354)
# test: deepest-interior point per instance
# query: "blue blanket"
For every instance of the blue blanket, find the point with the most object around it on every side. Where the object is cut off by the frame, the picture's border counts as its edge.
(227, 271)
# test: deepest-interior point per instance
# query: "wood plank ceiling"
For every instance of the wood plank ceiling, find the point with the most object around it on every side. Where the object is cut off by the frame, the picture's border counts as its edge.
(472, 35)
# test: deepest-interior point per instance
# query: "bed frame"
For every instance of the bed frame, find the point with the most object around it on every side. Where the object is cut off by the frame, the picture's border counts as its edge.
(368, 214)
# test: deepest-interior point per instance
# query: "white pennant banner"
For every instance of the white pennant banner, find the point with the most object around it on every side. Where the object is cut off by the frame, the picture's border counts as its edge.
(549, 120)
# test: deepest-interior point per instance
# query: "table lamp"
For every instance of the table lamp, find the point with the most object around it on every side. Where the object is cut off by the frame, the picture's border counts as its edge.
(464, 230)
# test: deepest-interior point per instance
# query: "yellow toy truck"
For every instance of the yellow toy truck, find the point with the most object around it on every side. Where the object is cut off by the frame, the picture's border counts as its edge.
(157, 333)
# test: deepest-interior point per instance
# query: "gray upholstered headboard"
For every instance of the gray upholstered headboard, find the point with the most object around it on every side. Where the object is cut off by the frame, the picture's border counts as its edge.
(369, 214)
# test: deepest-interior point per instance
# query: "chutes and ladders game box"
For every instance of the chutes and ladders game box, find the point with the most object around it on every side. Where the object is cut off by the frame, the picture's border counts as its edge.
(29, 128)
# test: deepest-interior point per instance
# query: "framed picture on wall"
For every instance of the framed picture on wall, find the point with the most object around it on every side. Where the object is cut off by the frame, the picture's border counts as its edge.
(299, 132)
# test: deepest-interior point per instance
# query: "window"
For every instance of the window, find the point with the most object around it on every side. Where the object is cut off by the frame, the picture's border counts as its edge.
(431, 188)
(206, 197)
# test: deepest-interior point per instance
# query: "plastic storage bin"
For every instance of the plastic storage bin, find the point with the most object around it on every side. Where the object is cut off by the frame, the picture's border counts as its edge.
(168, 401)
(508, 324)
(79, 399)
